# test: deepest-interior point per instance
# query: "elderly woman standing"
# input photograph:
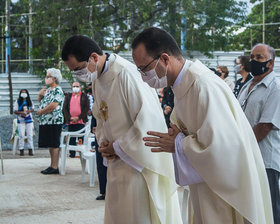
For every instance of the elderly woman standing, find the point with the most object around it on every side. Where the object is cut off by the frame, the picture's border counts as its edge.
(51, 117)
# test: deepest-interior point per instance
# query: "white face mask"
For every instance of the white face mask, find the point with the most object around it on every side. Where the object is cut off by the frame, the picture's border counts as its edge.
(76, 89)
(84, 72)
(153, 80)
(23, 95)
(48, 81)
(237, 68)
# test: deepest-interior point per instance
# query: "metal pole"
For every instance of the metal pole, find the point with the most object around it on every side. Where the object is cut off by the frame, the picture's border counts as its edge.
(10, 87)
(90, 21)
(26, 49)
(2, 45)
(251, 38)
(263, 36)
(183, 30)
(58, 42)
(7, 29)
(30, 39)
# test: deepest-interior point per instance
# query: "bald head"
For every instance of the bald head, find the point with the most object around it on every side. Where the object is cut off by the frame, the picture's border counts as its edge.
(76, 84)
(268, 51)
(76, 87)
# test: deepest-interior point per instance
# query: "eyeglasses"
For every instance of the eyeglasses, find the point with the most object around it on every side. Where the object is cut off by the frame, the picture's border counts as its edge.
(142, 70)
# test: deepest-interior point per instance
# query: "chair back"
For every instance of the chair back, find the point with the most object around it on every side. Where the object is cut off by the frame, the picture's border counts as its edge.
(84, 132)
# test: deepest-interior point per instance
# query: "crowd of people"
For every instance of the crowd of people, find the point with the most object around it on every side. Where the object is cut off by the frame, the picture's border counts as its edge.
(219, 138)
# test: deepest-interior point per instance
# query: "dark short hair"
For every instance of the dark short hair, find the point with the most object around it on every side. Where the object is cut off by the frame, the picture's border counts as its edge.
(156, 42)
(245, 61)
(224, 69)
(80, 47)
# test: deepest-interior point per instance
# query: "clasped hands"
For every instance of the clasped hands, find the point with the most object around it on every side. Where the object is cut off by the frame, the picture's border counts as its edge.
(162, 142)
(107, 150)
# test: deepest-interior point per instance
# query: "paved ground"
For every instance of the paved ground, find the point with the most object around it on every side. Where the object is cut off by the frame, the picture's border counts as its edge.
(28, 197)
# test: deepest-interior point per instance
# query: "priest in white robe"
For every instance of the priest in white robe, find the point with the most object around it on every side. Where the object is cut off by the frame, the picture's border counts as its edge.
(214, 148)
(141, 185)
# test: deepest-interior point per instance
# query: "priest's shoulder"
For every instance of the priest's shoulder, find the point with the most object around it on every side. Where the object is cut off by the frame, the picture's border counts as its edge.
(198, 68)
(122, 62)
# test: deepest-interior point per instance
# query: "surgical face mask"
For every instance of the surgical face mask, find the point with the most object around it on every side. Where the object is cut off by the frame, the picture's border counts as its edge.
(23, 95)
(153, 80)
(76, 89)
(237, 68)
(258, 68)
(84, 72)
(48, 80)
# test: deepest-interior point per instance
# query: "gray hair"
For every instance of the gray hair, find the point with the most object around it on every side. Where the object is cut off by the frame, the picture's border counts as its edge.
(270, 50)
(55, 73)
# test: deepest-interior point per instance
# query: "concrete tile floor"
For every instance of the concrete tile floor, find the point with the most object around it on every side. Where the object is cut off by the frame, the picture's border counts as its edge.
(29, 197)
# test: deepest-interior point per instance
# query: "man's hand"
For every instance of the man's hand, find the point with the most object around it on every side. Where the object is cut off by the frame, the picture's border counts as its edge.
(162, 142)
(107, 150)
(167, 110)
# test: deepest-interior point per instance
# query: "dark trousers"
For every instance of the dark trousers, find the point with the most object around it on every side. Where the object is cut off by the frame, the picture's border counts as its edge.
(101, 170)
(273, 179)
(74, 127)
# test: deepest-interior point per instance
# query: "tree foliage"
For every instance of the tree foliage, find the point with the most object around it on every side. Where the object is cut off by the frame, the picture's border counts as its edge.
(254, 34)
(114, 24)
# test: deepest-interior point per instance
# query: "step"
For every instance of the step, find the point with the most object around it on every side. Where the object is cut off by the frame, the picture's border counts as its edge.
(21, 81)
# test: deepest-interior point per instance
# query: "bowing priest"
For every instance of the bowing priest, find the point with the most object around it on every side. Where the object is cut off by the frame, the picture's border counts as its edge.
(214, 148)
(141, 185)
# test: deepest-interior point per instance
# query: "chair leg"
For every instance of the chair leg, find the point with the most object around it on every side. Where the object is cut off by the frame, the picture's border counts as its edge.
(92, 170)
(15, 145)
(83, 164)
(63, 161)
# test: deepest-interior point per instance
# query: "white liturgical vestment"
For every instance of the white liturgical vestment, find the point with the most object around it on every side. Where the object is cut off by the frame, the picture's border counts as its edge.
(221, 147)
(125, 109)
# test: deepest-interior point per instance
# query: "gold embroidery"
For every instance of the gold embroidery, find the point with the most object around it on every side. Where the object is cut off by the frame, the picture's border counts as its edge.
(182, 127)
(103, 110)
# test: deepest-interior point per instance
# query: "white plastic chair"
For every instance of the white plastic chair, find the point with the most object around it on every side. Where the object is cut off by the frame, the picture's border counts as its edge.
(84, 149)
(15, 145)
(16, 137)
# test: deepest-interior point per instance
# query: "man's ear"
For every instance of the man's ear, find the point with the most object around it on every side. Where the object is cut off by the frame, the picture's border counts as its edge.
(93, 56)
(270, 64)
(166, 58)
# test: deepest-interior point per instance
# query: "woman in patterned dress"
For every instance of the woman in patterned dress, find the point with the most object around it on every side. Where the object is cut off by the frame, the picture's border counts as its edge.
(51, 117)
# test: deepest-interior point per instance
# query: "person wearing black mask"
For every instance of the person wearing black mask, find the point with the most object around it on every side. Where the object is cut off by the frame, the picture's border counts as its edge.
(259, 99)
